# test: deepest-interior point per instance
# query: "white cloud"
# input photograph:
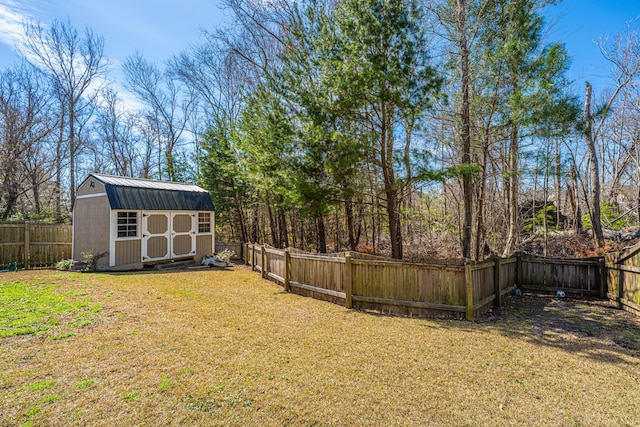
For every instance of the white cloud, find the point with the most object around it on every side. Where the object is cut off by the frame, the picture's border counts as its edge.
(12, 17)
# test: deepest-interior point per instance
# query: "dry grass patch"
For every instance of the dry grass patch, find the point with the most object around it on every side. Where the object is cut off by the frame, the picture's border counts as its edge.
(211, 347)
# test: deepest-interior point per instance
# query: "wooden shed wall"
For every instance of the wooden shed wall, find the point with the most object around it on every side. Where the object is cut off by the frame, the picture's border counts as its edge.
(91, 227)
(204, 246)
(128, 253)
(86, 188)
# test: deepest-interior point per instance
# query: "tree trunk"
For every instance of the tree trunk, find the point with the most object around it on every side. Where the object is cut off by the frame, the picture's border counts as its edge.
(467, 186)
(272, 227)
(321, 237)
(284, 232)
(596, 223)
(557, 184)
(255, 224)
(480, 227)
(35, 187)
(514, 226)
(58, 172)
(72, 154)
(348, 209)
(573, 199)
(240, 218)
(386, 161)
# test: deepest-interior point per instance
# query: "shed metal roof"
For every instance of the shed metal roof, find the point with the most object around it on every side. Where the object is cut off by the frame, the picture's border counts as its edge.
(146, 194)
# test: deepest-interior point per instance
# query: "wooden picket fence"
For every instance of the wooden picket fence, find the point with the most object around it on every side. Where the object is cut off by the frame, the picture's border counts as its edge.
(453, 290)
(34, 245)
(576, 277)
(372, 283)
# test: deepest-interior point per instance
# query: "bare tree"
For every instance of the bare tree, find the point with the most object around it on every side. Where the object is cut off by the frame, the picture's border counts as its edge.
(166, 103)
(624, 55)
(117, 139)
(75, 63)
(25, 123)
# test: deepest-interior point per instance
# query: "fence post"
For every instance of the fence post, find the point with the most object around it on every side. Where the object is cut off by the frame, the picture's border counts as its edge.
(263, 270)
(620, 288)
(497, 283)
(603, 277)
(518, 270)
(348, 281)
(468, 279)
(253, 257)
(287, 270)
(27, 245)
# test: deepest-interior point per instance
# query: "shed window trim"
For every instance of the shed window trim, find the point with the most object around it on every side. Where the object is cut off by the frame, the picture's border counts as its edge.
(204, 223)
(127, 225)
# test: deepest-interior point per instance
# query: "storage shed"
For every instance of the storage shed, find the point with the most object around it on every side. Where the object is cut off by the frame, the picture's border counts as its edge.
(132, 222)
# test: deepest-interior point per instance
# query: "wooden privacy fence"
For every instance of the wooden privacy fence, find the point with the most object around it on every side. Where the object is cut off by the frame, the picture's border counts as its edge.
(583, 277)
(623, 278)
(34, 245)
(371, 283)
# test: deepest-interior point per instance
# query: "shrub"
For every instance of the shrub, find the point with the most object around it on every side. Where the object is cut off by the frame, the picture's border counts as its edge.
(64, 265)
(609, 216)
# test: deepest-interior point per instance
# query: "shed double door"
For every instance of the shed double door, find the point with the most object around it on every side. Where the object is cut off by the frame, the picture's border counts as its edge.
(167, 235)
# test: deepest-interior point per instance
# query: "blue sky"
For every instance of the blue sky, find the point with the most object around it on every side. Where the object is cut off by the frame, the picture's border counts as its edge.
(156, 28)
(578, 23)
(161, 28)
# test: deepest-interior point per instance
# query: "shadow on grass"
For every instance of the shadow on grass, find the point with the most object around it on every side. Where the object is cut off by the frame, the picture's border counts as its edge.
(177, 271)
(589, 327)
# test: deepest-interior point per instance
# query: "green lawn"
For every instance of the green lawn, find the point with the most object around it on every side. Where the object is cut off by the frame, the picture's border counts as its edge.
(39, 307)
(210, 347)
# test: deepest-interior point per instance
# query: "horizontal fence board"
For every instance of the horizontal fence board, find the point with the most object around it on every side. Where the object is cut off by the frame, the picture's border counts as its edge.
(566, 290)
(484, 302)
(508, 290)
(318, 290)
(274, 251)
(405, 303)
(274, 277)
(318, 258)
(558, 261)
(397, 263)
(627, 268)
(625, 304)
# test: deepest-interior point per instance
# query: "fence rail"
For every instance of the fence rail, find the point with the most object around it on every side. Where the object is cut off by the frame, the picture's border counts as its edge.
(34, 245)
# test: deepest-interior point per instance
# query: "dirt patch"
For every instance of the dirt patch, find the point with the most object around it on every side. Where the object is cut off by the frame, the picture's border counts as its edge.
(577, 321)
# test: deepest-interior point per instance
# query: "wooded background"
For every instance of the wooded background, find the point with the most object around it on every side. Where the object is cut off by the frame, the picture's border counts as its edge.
(412, 129)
